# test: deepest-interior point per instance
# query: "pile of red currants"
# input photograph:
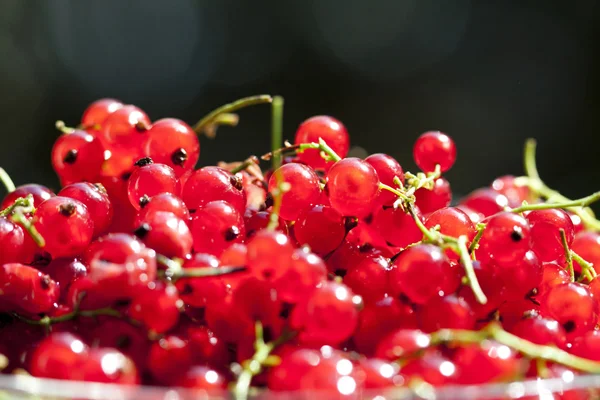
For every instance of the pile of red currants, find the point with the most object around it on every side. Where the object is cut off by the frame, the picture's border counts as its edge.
(323, 272)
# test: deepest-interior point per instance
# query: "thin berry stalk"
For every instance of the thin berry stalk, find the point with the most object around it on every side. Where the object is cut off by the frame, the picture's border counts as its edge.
(25, 204)
(7, 181)
(583, 202)
(48, 321)
(587, 268)
(568, 255)
(22, 220)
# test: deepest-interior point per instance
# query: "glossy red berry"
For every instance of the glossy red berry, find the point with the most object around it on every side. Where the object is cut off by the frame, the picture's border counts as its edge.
(304, 189)
(540, 330)
(95, 198)
(521, 276)
(98, 111)
(269, 254)
(587, 245)
(505, 239)
(369, 278)
(433, 368)
(157, 307)
(200, 292)
(59, 356)
(169, 358)
(452, 222)
(77, 156)
(25, 289)
(166, 202)
(172, 142)
(124, 129)
(204, 378)
(545, 232)
(215, 227)
(12, 242)
(421, 272)
(212, 183)
(434, 148)
(304, 273)
(450, 312)
(387, 169)
(150, 179)
(485, 201)
(401, 343)
(552, 275)
(379, 374)
(353, 186)
(573, 306)
(255, 221)
(515, 194)
(167, 234)
(64, 271)
(109, 366)
(332, 131)
(487, 361)
(431, 200)
(322, 228)
(587, 346)
(40, 194)
(329, 315)
(397, 227)
(66, 226)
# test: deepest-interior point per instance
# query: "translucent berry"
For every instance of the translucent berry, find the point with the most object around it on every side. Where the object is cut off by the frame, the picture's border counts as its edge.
(25, 289)
(322, 127)
(431, 200)
(540, 330)
(96, 200)
(157, 307)
(545, 232)
(397, 227)
(369, 278)
(353, 186)
(169, 358)
(505, 239)
(269, 254)
(124, 128)
(212, 183)
(305, 272)
(150, 179)
(97, 112)
(515, 194)
(59, 356)
(521, 276)
(166, 234)
(450, 312)
(167, 202)
(199, 292)
(485, 201)
(40, 194)
(573, 306)
(304, 189)
(12, 242)
(77, 156)
(216, 226)
(434, 148)
(401, 343)
(321, 228)
(387, 169)
(204, 378)
(587, 245)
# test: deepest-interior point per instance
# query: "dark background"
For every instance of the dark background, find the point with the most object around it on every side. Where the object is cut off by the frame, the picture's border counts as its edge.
(489, 73)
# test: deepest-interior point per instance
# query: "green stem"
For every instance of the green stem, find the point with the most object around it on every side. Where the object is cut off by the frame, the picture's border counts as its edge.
(467, 264)
(7, 181)
(583, 202)
(431, 236)
(327, 152)
(587, 268)
(60, 126)
(277, 194)
(259, 360)
(276, 130)
(219, 116)
(252, 160)
(22, 220)
(568, 256)
(475, 243)
(47, 321)
(397, 192)
(25, 203)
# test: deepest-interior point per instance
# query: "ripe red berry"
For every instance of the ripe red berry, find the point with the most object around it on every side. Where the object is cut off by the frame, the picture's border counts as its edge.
(487, 361)
(452, 222)
(545, 232)
(329, 315)
(12, 242)
(387, 169)
(322, 127)
(77, 156)
(304, 273)
(95, 198)
(421, 273)
(169, 358)
(64, 271)
(573, 306)
(588, 346)
(25, 289)
(157, 307)
(485, 201)
(369, 278)
(109, 366)
(401, 343)
(434, 148)
(587, 245)
(124, 129)
(172, 142)
(59, 356)
(540, 330)
(150, 179)
(199, 292)
(202, 378)
(255, 221)
(450, 312)
(521, 276)
(166, 202)
(552, 275)
(269, 254)
(431, 200)
(215, 227)
(321, 228)
(40, 194)
(97, 112)
(66, 225)
(353, 186)
(166, 234)
(516, 195)
(212, 183)
(397, 227)
(505, 239)
(304, 189)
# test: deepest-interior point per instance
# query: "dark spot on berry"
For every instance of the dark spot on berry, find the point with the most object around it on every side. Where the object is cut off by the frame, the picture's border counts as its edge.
(286, 309)
(232, 233)
(326, 190)
(365, 248)
(269, 201)
(192, 211)
(142, 230)
(187, 289)
(341, 272)
(141, 127)
(569, 326)
(100, 188)
(369, 219)
(143, 162)
(236, 182)
(70, 157)
(45, 282)
(67, 209)
(179, 156)
(126, 176)
(123, 342)
(350, 223)
(517, 234)
(267, 274)
(41, 259)
(144, 200)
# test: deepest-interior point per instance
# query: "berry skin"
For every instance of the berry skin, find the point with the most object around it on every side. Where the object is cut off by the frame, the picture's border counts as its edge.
(485, 201)
(64, 271)
(12, 242)
(433, 148)
(401, 343)
(169, 358)
(109, 366)
(150, 179)
(95, 198)
(66, 225)
(166, 234)
(157, 307)
(77, 156)
(553, 275)
(255, 221)
(506, 238)
(304, 189)
(199, 292)
(305, 272)
(332, 131)
(370, 278)
(353, 186)
(452, 222)
(545, 232)
(487, 361)
(215, 227)
(587, 245)
(166, 202)
(431, 200)
(450, 312)
(40, 194)
(516, 195)
(172, 142)
(321, 228)
(212, 183)
(420, 273)
(396, 227)
(540, 330)
(202, 377)
(379, 374)
(573, 306)
(329, 315)
(588, 346)
(521, 276)
(269, 254)
(124, 129)
(59, 356)
(387, 169)
(25, 289)
(433, 367)
(98, 111)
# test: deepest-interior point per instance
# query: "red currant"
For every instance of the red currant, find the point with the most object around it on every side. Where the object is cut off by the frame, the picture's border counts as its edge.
(305, 190)
(545, 232)
(150, 179)
(98, 111)
(321, 228)
(506, 238)
(95, 198)
(215, 227)
(353, 186)
(387, 169)
(212, 183)
(431, 200)
(434, 148)
(332, 131)
(77, 156)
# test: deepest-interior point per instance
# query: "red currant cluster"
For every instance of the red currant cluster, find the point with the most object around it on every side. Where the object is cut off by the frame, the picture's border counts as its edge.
(323, 273)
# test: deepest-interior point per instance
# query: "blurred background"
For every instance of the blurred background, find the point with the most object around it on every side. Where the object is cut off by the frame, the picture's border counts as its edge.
(489, 73)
